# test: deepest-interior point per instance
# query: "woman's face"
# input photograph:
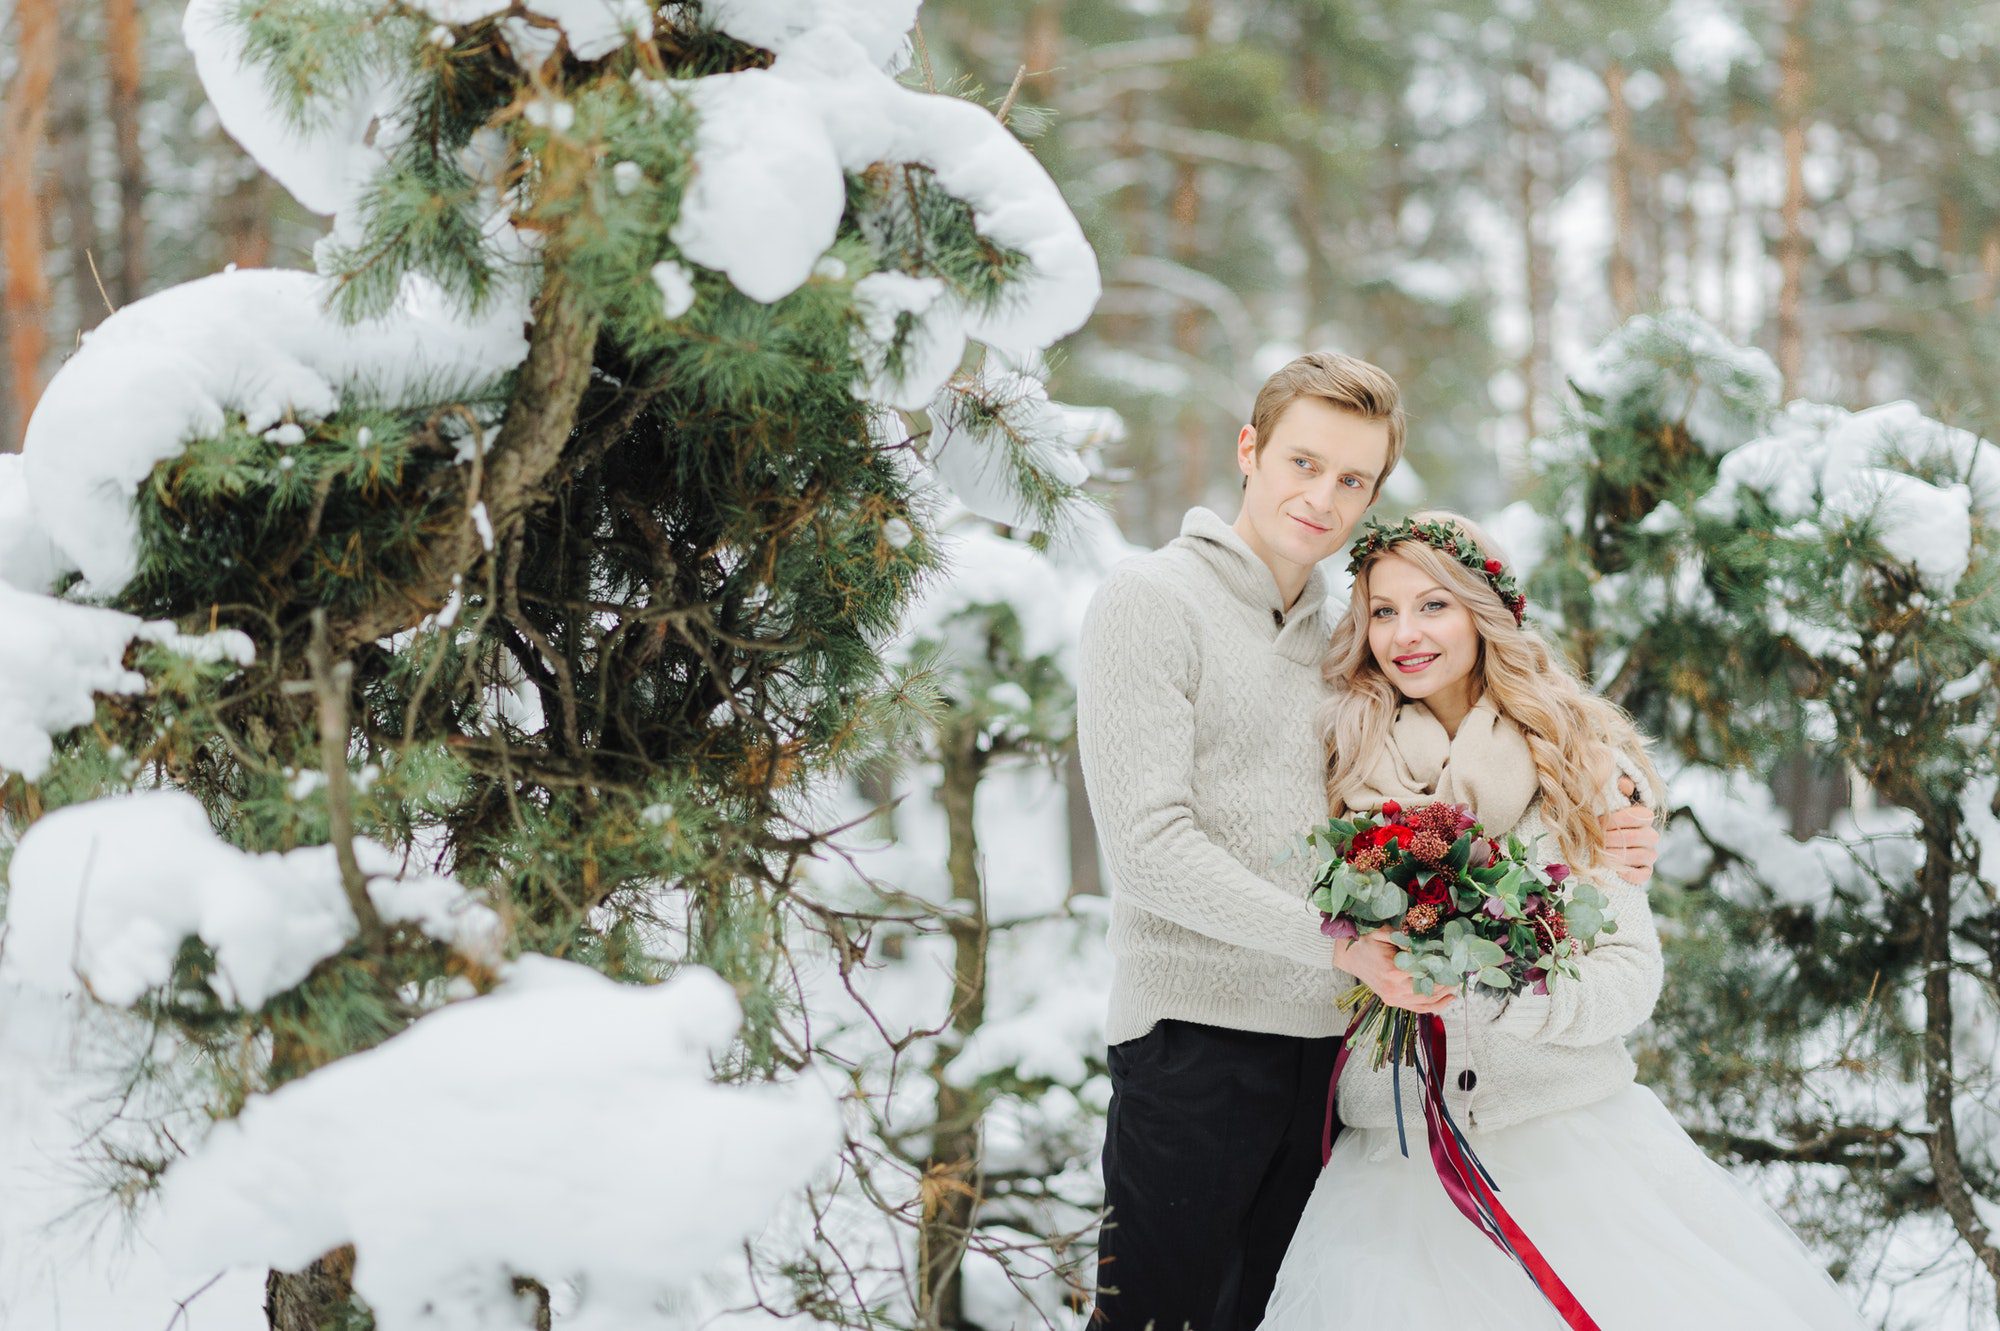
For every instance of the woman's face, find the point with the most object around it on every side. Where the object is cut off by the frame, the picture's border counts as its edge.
(1421, 635)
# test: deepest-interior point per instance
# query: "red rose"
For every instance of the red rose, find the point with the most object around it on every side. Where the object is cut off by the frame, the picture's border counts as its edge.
(1493, 566)
(1390, 808)
(1399, 834)
(1432, 892)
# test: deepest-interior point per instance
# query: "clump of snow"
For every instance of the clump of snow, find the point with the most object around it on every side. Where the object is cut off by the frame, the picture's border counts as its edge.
(54, 658)
(773, 146)
(1676, 366)
(63, 1059)
(29, 559)
(676, 286)
(969, 454)
(878, 26)
(928, 353)
(171, 367)
(1048, 593)
(1924, 526)
(767, 192)
(323, 163)
(1821, 464)
(562, 1127)
(107, 891)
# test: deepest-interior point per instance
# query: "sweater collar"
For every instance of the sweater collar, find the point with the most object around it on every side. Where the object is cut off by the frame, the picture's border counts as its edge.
(1239, 568)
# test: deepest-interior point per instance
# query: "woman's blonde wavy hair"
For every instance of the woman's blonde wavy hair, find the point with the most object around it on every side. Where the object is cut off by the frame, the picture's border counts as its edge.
(1570, 733)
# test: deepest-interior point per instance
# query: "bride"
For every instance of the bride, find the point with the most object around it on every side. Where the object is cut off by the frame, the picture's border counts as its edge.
(1440, 693)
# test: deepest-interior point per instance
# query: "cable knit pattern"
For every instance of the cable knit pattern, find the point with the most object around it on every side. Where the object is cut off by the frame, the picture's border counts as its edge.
(1196, 694)
(1536, 1054)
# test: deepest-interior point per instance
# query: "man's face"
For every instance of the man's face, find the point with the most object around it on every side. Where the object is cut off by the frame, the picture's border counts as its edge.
(1316, 475)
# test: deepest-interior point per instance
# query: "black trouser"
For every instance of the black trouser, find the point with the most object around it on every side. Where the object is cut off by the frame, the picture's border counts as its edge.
(1210, 1152)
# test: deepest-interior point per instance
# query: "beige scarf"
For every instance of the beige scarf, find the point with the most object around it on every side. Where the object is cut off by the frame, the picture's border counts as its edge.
(1485, 766)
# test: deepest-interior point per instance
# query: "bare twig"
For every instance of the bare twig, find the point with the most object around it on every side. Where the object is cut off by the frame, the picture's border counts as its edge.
(331, 682)
(1013, 91)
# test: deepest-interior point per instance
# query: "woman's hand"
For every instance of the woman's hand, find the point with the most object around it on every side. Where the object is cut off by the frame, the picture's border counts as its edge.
(1372, 960)
(1631, 839)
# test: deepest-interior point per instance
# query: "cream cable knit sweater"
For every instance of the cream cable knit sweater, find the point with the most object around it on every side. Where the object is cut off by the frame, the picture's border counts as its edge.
(1195, 700)
(1537, 1054)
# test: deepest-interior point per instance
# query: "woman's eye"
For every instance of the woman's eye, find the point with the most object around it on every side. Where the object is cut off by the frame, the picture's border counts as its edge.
(1382, 612)
(1433, 605)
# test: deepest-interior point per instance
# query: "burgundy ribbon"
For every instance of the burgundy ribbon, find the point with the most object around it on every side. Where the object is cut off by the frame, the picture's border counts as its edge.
(1465, 1180)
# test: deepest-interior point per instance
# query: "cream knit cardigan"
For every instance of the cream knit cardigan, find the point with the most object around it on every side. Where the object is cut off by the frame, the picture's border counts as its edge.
(1538, 1054)
(1196, 695)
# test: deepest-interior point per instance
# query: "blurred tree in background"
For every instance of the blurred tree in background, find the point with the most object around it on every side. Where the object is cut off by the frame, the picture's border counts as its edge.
(1474, 194)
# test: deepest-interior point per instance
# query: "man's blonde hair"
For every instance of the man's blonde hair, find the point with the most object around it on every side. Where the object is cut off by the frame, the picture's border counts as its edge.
(1347, 382)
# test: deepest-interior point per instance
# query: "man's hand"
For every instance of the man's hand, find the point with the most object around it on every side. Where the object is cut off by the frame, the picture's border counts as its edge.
(1631, 841)
(1372, 960)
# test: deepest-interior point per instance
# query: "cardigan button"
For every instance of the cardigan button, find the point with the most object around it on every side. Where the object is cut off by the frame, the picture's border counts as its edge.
(1467, 1080)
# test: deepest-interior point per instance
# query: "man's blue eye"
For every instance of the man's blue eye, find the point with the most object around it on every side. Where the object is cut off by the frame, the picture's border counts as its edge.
(1351, 482)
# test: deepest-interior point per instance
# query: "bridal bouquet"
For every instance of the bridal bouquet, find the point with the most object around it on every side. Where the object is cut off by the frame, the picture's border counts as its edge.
(1464, 908)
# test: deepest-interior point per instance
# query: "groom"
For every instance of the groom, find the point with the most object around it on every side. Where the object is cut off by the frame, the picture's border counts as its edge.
(1198, 695)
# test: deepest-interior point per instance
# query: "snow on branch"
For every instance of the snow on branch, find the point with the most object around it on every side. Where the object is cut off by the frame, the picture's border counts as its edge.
(1913, 483)
(257, 342)
(107, 892)
(54, 658)
(563, 1127)
(829, 106)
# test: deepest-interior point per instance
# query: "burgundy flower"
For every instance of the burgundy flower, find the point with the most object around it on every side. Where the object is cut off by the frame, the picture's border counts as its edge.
(1481, 855)
(1531, 904)
(1558, 872)
(1338, 926)
(1538, 980)
(1492, 566)
(1433, 892)
(1495, 907)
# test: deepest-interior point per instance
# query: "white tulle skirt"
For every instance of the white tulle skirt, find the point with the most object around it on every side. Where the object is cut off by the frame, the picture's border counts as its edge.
(1646, 1231)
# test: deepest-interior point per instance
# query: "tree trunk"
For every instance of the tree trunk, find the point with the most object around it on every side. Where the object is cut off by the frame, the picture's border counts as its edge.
(1538, 286)
(540, 418)
(1940, 1085)
(1618, 117)
(1687, 164)
(1042, 48)
(951, 1183)
(1309, 199)
(315, 1299)
(1791, 238)
(23, 121)
(124, 43)
(69, 140)
(1989, 271)
(244, 219)
(1184, 242)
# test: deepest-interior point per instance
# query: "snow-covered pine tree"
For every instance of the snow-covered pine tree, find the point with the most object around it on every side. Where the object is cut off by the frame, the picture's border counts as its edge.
(377, 583)
(971, 1023)
(1752, 582)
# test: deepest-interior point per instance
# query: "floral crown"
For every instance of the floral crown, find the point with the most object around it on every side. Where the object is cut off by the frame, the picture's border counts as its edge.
(1377, 537)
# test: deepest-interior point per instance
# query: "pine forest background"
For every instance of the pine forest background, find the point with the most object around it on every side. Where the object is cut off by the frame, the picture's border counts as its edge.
(1600, 246)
